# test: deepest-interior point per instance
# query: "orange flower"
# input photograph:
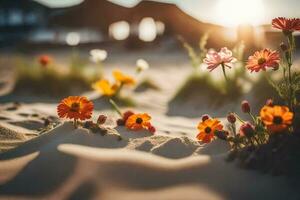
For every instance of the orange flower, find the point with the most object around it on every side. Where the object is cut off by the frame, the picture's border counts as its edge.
(75, 107)
(276, 118)
(103, 86)
(207, 129)
(286, 25)
(263, 59)
(122, 78)
(45, 60)
(138, 121)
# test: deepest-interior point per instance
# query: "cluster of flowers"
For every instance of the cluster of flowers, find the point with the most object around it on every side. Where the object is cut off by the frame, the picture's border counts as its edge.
(260, 60)
(79, 108)
(272, 119)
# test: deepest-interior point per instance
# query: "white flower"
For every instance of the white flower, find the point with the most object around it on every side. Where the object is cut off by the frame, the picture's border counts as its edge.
(98, 55)
(141, 65)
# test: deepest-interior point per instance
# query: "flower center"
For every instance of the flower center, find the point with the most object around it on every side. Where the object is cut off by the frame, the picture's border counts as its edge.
(75, 107)
(261, 61)
(207, 130)
(277, 120)
(139, 120)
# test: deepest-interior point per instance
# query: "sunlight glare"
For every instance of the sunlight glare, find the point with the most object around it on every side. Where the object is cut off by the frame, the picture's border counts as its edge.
(236, 12)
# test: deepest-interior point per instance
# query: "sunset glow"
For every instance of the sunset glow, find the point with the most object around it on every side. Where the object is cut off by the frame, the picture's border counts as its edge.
(236, 12)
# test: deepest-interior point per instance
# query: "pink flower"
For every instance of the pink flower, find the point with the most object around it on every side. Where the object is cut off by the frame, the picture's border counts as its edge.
(223, 57)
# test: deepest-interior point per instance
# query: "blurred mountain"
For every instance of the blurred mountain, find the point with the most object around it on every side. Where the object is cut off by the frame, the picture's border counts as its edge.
(100, 14)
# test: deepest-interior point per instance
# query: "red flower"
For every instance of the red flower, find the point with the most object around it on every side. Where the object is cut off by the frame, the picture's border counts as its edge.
(45, 60)
(287, 25)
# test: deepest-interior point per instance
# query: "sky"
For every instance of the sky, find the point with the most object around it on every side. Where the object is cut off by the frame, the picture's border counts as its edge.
(222, 12)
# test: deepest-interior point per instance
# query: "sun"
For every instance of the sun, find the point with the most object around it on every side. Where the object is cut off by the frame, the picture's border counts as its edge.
(235, 12)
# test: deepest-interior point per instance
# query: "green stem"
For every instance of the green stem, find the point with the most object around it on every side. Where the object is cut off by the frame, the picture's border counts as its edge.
(238, 117)
(119, 91)
(253, 118)
(233, 129)
(224, 72)
(257, 141)
(115, 107)
(75, 123)
(291, 44)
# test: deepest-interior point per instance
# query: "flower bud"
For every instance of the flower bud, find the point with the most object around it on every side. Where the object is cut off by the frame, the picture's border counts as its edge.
(231, 118)
(121, 122)
(127, 114)
(88, 124)
(152, 129)
(245, 106)
(247, 129)
(270, 102)
(101, 119)
(205, 117)
(221, 134)
(47, 122)
(276, 67)
(283, 47)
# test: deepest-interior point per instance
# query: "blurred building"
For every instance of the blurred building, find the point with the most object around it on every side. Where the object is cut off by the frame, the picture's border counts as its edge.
(19, 17)
(148, 21)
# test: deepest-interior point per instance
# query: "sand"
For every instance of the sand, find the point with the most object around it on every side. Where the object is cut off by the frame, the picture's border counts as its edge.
(69, 163)
(61, 162)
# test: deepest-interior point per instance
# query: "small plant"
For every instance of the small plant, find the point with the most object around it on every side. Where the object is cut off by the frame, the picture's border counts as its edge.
(34, 77)
(289, 86)
(196, 55)
(270, 135)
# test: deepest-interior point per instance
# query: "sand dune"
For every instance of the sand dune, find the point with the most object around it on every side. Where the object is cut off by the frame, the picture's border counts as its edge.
(68, 163)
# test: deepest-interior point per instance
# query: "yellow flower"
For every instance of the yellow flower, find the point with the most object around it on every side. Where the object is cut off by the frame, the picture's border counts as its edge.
(122, 78)
(104, 87)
